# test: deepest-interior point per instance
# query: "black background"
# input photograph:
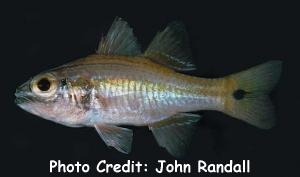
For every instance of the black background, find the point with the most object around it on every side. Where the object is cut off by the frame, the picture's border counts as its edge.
(224, 38)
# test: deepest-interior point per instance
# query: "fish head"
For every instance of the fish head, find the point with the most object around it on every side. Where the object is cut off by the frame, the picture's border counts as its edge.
(47, 95)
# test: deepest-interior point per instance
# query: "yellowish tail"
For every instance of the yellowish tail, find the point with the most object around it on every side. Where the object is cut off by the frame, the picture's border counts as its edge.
(248, 98)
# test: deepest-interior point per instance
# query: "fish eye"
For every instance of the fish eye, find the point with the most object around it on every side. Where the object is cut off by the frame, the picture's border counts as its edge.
(44, 85)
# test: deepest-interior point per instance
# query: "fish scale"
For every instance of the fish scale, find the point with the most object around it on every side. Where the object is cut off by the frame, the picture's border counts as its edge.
(170, 95)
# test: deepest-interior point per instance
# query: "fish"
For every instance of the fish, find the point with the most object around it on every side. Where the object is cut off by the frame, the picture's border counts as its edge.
(121, 86)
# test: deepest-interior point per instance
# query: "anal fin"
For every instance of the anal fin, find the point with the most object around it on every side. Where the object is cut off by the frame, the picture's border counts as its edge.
(118, 137)
(175, 133)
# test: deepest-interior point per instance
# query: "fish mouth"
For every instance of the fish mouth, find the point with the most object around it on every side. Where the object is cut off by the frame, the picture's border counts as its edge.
(21, 100)
(22, 94)
(21, 97)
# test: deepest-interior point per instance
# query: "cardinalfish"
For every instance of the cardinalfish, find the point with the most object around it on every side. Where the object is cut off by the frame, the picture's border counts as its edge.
(119, 85)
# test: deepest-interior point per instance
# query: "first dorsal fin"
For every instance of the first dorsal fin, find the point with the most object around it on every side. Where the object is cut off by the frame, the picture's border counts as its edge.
(119, 40)
(170, 48)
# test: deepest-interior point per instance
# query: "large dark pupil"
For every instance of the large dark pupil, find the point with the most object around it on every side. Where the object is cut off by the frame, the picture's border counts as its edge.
(44, 84)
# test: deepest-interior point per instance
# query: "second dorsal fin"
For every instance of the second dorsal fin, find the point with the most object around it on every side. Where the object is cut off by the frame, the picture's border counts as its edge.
(170, 48)
(119, 40)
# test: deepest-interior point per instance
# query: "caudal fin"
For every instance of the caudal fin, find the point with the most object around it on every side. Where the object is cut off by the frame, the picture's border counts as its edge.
(249, 100)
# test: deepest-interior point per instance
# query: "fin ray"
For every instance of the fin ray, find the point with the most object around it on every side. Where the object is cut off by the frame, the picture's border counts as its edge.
(170, 48)
(118, 137)
(254, 106)
(119, 40)
(175, 133)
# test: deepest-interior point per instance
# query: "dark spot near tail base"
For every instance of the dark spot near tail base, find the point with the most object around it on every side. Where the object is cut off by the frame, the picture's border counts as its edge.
(239, 94)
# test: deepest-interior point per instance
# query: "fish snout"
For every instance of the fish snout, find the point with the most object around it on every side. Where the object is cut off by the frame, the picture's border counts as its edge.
(22, 93)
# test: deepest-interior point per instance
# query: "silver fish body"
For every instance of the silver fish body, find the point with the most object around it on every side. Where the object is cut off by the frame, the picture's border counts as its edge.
(109, 92)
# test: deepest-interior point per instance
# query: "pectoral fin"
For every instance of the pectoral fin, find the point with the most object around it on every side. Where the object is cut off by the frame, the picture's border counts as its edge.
(117, 137)
(175, 133)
